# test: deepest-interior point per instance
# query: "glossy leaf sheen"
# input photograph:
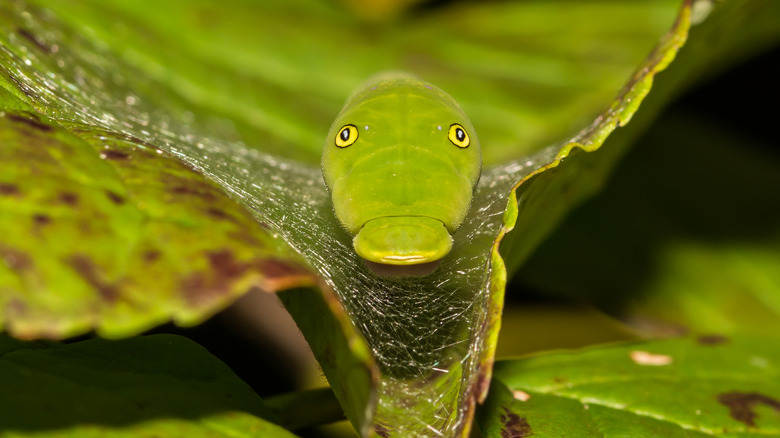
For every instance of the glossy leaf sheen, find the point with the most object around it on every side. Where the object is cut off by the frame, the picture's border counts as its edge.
(710, 385)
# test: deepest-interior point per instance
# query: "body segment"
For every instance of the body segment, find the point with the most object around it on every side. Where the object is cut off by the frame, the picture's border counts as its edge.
(401, 162)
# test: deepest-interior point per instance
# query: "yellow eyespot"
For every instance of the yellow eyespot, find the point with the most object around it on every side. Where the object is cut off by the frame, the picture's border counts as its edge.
(458, 136)
(347, 135)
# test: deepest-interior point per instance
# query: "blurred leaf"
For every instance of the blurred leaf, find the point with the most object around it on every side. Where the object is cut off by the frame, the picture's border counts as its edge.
(151, 386)
(696, 249)
(556, 326)
(708, 386)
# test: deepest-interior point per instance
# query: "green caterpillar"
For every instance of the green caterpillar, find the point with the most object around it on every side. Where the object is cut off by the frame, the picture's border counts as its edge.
(401, 162)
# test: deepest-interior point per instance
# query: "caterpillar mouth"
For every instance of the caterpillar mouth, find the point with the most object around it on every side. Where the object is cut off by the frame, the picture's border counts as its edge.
(403, 240)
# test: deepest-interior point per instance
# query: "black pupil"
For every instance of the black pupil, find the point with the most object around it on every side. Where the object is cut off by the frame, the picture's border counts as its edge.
(345, 134)
(459, 134)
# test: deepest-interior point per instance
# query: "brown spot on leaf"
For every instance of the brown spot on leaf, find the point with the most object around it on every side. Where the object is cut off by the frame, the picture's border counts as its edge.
(109, 154)
(515, 426)
(276, 268)
(116, 198)
(225, 264)
(26, 34)
(151, 256)
(712, 339)
(281, 275)
(201, 287)
(381, 431)
(8, 189)
(245, 236)
(69, 198)
(15, 259)
(201, 190)
(183, 190)
(196, 289)
(86, 269)
(741, 405)
(16, 308)
(31, 122)
(219, 214)
(41, 219)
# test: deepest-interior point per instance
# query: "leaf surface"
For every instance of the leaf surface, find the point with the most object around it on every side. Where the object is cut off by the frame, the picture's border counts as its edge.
(699, 387)
(105, 232)
(150, 386)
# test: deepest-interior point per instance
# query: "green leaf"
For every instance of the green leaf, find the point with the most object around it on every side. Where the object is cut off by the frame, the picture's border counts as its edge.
(751, 27)
(103, 232)
(699, 387)
(151, 386)
(535, 75)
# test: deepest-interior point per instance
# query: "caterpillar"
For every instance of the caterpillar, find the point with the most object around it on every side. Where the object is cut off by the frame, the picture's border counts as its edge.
(401, 162)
